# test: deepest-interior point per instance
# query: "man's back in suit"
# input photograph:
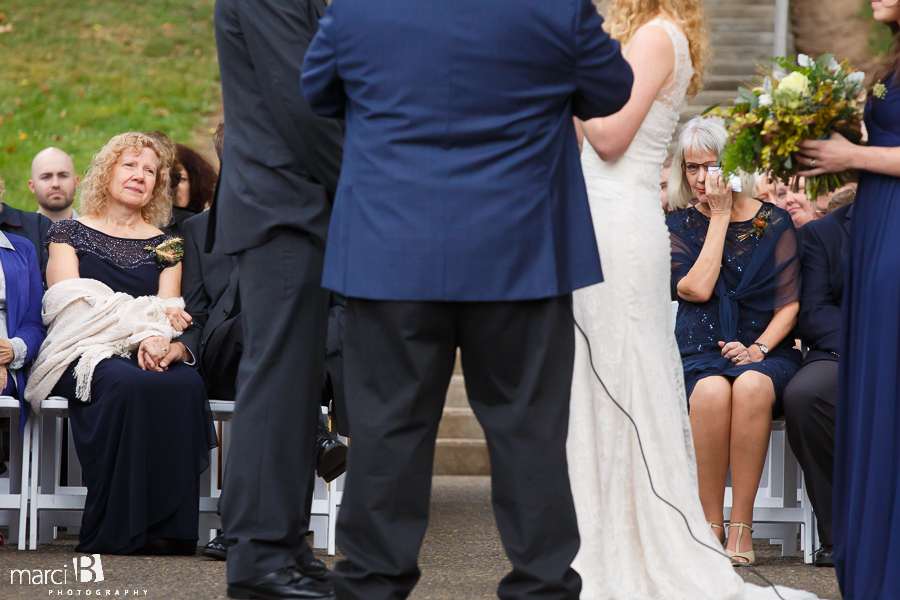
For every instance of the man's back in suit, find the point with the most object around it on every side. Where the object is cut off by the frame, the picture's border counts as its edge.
(282, 160)
(461, 220)
(462, 177)
(280, 165)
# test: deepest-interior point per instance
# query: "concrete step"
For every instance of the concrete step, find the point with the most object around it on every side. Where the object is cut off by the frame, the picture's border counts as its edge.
(461, 457)
(727, 82)
(709, 97)
(726, 39)
(745, 25)
(745, 53)
(456, 393)
(762, 12)
(460, 423)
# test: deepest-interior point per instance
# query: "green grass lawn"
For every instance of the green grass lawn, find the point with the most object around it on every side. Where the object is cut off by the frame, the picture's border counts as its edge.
(73, 73)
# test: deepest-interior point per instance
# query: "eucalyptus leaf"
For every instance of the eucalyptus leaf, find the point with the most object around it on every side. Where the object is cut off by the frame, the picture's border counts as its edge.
(767, 85)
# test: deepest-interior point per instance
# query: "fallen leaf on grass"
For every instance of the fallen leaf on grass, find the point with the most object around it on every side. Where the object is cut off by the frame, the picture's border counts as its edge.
(6, 28)
(62, 115)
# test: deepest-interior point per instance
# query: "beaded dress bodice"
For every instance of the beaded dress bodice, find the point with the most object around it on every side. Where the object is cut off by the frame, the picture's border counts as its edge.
(124, 264)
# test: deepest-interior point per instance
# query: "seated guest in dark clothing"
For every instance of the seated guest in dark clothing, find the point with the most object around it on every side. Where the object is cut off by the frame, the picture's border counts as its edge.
(140, 419)
(809, 399)
(193, 189)
(214, 340)
(31, 226)
(21, 327)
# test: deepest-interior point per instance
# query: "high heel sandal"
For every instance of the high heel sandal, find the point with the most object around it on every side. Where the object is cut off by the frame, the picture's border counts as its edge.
(717, 526)
(750, 555)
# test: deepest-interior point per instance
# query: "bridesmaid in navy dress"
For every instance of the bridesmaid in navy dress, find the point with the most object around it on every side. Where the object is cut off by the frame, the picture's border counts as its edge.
(144, 438)
(867, 452)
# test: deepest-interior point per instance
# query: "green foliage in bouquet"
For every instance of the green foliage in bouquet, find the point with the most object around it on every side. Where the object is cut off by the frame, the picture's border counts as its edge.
(808, 101)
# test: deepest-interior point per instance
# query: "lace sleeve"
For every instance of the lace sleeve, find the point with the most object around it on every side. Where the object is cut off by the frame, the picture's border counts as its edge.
(61, 232)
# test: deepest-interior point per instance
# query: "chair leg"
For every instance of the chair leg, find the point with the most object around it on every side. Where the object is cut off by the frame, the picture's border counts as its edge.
(37, 425)
(23, 488)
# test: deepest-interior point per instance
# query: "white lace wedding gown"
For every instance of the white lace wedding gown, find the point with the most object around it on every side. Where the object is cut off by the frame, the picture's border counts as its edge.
(634, 546)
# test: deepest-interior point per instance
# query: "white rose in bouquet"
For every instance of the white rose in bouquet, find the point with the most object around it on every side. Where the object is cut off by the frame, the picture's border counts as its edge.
(765, 100)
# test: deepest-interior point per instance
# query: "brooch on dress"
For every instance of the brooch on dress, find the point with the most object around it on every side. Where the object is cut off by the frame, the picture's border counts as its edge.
(759, 226)
(169, 252)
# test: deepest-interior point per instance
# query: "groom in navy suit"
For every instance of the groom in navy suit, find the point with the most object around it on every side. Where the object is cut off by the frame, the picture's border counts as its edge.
(461, 220)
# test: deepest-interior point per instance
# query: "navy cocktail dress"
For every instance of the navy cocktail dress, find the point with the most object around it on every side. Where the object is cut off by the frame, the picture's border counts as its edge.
(144, 439)
(758, 275)
(867, 437)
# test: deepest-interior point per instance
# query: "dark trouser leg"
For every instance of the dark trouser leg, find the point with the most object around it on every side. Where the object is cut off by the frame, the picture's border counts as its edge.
(221, 357)
(809, 407)
(271, 464)
(518, 359)
(398, 359)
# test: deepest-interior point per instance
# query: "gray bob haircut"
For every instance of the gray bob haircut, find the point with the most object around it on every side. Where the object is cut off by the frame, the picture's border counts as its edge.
(700, 134)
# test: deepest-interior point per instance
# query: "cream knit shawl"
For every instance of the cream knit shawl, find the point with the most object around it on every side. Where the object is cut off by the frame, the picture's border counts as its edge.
(88, 322)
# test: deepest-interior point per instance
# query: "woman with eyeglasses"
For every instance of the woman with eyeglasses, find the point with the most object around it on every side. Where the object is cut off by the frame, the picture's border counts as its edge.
(867, 461)
(736, 275)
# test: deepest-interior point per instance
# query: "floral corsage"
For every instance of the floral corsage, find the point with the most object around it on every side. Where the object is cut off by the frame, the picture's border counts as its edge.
(759, 226)
(168, 253)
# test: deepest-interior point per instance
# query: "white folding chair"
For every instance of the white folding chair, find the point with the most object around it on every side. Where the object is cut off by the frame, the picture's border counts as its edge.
(326, 497)
(52, 504)
(14, 483)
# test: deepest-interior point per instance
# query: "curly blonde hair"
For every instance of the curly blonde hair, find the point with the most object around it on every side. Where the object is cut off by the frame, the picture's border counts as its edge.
(94, 189)
(627, 16)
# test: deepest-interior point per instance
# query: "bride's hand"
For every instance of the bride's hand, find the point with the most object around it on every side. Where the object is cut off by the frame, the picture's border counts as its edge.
(718, 191)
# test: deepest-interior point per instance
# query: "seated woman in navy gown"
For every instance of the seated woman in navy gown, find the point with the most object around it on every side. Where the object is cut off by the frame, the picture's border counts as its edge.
(736, 276)
(140, 418)
(21, 328)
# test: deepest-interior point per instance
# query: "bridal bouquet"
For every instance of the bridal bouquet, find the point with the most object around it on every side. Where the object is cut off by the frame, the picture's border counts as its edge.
(808, 101)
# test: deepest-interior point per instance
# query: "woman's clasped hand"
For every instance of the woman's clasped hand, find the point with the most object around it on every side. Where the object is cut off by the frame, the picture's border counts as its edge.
(179, 319)
(740, 354)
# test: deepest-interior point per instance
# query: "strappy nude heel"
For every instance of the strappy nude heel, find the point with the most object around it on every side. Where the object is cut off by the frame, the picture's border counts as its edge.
(750, 555)
(717, 526)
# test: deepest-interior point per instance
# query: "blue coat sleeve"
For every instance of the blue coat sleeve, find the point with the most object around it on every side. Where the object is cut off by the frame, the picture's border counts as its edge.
(31, 330)
(604, 78)
(320, 83)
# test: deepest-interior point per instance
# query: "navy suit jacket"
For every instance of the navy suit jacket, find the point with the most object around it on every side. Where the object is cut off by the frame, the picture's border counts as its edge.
(32, 226)
(461, 178)
(825, 244)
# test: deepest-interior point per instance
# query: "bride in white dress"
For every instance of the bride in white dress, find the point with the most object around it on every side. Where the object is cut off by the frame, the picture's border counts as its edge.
(633, 545)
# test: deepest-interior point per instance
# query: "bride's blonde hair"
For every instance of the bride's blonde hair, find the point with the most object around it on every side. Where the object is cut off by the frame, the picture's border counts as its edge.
(625, 17)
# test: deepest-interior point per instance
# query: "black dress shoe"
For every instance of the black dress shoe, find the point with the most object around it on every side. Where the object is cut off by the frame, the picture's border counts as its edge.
(217, 549)
(331, 456)
(316, 569)
(824, 556)
(287, 583)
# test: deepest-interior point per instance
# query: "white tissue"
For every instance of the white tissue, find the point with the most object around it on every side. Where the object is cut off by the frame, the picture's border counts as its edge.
(734, 180)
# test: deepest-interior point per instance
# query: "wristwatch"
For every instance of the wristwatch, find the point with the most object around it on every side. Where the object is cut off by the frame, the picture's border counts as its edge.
(763, 347)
